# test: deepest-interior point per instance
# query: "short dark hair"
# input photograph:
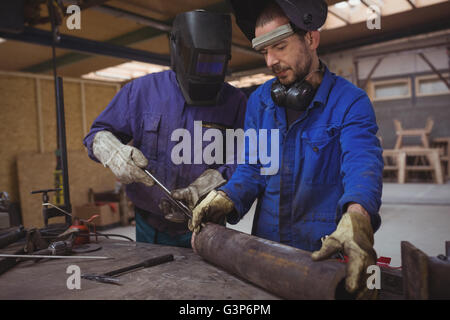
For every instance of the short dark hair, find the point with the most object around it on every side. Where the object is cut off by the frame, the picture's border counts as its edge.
(271, 11)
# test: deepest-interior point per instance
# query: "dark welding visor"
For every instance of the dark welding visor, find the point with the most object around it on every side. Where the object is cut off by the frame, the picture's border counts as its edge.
(200, 50)
(210, 64)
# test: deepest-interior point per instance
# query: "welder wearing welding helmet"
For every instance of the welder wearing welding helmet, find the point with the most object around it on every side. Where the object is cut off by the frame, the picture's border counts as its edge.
(148, 110)
(325, 198)
(200, 48)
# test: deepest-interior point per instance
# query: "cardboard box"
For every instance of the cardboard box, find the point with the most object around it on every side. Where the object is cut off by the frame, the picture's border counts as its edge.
(108, 213)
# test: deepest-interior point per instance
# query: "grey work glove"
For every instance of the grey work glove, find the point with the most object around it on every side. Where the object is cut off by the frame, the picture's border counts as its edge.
(126, 162)
(209, 180)
(213, 208)
(354, 237)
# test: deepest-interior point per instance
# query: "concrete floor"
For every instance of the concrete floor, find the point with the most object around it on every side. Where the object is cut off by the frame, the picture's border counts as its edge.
(414, 212)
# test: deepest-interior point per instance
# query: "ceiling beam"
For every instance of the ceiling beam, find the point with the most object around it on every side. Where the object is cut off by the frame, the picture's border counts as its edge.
(86, 46)
(409, 47)
(73, 57)
(142, 34)
(435, 70)
(82, 4)
(372, 71)
(411, 3)
(339, 17)
(159, 25)
(120, 13)
(412, 30)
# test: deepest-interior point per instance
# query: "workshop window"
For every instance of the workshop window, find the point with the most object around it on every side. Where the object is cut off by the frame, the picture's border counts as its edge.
(431, 85)
(390, 89)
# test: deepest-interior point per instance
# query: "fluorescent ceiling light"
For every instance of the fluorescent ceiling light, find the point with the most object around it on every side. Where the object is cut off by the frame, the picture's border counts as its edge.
(112, 75)
(341, 5)
(354, 2)
(125, 71)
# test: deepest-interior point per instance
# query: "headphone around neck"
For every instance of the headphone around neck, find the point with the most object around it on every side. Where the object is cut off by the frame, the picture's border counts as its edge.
(298, 96)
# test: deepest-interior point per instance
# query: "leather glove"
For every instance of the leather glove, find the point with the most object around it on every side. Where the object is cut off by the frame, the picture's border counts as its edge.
(213, 208)
(353, 236)
(209, 180)
(126, 162)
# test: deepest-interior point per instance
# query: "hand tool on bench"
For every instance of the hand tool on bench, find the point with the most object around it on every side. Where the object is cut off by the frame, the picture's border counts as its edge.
(110, 277)
(33, 256)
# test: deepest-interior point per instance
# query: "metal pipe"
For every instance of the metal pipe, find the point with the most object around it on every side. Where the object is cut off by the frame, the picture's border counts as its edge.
(63, 146)
(285, 271)
(82, 45)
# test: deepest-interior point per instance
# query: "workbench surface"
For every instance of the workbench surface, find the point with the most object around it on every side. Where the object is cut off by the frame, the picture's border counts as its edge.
(187, 277)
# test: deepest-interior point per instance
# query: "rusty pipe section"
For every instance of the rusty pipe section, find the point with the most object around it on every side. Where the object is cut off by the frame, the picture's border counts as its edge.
(285, 271)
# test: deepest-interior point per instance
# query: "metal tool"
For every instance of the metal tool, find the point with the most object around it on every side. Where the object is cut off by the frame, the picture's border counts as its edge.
(109, 277)
(180, 205)
(101, 278)
(32, 256)
(53, 211)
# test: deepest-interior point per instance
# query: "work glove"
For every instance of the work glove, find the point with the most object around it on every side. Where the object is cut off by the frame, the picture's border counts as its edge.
(353, 237)
(209, 180)
(213, 208)
(126, 162)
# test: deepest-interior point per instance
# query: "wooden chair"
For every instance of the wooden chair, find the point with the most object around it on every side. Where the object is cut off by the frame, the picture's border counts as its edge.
(443, 144)
(395, 160)
(422, 133)
(430, 162)
(425, 158)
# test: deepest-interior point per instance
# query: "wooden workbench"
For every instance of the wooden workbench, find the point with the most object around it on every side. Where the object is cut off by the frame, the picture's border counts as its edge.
(188, 277)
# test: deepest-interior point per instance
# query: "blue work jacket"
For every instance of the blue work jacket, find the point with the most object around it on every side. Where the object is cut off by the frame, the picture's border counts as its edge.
(329, 156)
(147, 111)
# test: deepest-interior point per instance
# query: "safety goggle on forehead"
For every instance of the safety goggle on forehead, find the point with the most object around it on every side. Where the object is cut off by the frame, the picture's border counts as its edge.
(272, 37)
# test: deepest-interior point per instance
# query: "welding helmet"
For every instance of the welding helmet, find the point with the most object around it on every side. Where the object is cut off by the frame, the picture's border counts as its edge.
(200, 48)
(308, 15)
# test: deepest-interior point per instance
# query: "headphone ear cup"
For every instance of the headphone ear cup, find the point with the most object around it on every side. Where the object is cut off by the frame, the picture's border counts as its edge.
(278, 93)
(299, 96)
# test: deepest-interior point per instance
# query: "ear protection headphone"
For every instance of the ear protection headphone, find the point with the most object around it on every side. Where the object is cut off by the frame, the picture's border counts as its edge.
(298, 96)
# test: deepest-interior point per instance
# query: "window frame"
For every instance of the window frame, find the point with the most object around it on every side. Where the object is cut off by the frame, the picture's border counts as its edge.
(431, 76)
(374, 83)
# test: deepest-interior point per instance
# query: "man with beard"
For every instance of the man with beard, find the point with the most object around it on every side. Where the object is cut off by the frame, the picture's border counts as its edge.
(330, 177)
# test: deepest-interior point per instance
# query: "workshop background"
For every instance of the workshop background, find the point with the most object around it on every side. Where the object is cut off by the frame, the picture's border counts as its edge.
(403, 66)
